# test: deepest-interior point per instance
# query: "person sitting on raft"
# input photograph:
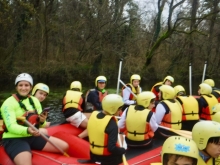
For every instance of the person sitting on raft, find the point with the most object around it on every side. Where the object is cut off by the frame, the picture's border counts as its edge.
(73, 106)
(132, 87)
(206, 135)
(18, 138)
(103, 132)
(206, 101)
(168, 80)
(139, 121)
(41, 91)
(190, 106)
(94, 96)
(215, 90)
(168, 112)
(178, 150)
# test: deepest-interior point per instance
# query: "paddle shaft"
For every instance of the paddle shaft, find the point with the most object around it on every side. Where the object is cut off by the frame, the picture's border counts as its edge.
(123, 156)
(119, 76)
(42, 135)
(184, 133)
(204, 70)
(190, 79)
(127, 88)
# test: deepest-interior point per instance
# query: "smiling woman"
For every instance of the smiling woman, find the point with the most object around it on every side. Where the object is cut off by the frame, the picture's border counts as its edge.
(19, 139)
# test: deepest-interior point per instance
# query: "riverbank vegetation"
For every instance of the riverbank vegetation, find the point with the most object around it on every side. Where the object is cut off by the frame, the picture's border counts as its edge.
(58, 41)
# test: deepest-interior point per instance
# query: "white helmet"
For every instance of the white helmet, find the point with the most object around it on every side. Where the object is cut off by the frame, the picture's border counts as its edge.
(24, 77)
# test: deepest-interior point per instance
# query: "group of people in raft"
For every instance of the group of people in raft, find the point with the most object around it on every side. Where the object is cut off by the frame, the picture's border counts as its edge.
(141, 113)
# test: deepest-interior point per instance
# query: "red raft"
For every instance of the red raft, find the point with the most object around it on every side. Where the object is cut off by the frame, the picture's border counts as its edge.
(79, 150)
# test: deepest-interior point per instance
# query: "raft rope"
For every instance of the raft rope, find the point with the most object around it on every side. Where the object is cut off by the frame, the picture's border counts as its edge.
(146, 159)
(58, 162)
(62, 163)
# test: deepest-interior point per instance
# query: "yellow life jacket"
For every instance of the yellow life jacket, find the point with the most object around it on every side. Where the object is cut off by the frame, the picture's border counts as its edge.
(174, 118)
(190, 107)
(207, 111)
(72, 99)
(156, 164)
(202, 162)
(96, 131)
(217, 160)
(138, 129)
(136, 91)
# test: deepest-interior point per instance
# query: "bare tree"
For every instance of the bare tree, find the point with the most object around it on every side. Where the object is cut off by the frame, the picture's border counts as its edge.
(157, 40)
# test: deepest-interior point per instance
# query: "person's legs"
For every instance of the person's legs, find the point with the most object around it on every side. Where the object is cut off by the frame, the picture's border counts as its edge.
(84, 125)
(18, 150)
(58, 142)
(83, 134)
(79, 120)
(23, 158)
(87, 114)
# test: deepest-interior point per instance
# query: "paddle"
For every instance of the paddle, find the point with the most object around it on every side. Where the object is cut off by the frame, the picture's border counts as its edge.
(123, 156)
(204, 70)
(190, 79)
(42, 135)
(184, 133)
(119, 75)
(127, 88)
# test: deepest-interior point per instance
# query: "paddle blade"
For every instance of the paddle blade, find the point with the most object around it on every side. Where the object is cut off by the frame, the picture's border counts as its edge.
(183, 133)
(186, 132)
(124, 160)
(65, 154)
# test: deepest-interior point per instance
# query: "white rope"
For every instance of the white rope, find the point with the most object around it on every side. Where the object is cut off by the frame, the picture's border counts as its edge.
(50, 158)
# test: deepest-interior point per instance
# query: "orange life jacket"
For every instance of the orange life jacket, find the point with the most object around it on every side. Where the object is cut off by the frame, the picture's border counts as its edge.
(153, 89)
(207, 111)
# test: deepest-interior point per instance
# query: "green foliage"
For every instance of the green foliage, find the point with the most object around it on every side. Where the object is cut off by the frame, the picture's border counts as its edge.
(61, 41)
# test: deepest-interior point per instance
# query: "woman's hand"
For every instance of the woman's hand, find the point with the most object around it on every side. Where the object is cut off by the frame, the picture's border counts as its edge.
(43, 116)
(33, 132)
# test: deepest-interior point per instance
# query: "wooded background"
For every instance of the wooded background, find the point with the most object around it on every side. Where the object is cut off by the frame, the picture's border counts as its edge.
(58, 41)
